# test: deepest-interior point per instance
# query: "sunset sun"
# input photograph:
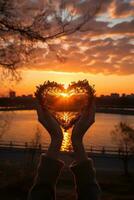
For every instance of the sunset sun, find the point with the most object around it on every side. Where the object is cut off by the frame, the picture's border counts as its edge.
(65, 94)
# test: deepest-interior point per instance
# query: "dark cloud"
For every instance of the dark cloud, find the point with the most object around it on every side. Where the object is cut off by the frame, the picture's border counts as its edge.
(107, 56)
(122, 8)
(124, 28)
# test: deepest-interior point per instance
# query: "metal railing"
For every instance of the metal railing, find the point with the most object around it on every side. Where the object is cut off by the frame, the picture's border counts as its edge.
(14, 145)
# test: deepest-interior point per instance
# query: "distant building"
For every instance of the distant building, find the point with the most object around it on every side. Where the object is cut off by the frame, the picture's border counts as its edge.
(30, 96)
(123, 95)
(115, 95)
(12, 94)
(130, 96)
(102, 95)
(26, 96)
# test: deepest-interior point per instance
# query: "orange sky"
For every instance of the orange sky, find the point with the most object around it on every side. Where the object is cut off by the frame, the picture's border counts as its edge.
(102, 51)
(104, 84)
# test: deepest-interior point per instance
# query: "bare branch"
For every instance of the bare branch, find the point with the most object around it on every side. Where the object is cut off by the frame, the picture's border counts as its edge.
(23, 24)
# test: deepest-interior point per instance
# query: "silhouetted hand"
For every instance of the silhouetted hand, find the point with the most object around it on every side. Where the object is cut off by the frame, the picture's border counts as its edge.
(85, 121)
(52, 126)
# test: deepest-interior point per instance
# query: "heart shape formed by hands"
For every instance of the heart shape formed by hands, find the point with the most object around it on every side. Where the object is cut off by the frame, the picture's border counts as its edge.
(65, 103)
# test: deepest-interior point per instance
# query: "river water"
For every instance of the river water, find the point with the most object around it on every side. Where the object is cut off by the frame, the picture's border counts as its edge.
(23, 126)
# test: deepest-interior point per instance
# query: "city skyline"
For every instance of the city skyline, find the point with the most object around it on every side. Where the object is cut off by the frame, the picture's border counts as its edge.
(13, 93)
(104, 84)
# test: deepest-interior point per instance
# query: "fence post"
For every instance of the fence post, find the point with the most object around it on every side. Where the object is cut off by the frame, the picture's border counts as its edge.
(119, 151)
(26, 144)
(103, 150)
(11, 144)
(40, 147)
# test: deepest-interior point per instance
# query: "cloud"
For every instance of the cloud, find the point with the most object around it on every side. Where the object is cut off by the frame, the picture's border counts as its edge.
(107, 56)
(122, 8)
(101, 45)
(97, 48)
(124, 28)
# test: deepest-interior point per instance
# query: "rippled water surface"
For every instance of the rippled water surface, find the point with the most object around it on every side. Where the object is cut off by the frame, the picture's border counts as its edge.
(24, 127)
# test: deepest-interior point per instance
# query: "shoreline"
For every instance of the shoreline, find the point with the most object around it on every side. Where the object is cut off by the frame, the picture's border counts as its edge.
(101, 160)
(98, 110)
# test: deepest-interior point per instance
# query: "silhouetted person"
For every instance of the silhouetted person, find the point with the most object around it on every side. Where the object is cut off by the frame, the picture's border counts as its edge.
(50, 166)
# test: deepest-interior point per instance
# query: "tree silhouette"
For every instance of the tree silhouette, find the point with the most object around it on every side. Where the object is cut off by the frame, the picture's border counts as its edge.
(27, 27)
(123, 135)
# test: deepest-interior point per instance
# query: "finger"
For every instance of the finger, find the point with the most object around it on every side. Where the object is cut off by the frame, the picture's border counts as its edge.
(89, 109)
(91, 101)
(92, 111)
(44, 113)
(92, 107)
(39, 106)
(40, 111)
(36, 102)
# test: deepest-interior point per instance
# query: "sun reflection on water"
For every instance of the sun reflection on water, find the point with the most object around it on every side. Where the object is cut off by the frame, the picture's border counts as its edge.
(66, 143)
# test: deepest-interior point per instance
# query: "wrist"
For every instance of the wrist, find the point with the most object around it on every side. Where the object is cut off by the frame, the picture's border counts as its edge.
(79, 152)
(54, 149)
